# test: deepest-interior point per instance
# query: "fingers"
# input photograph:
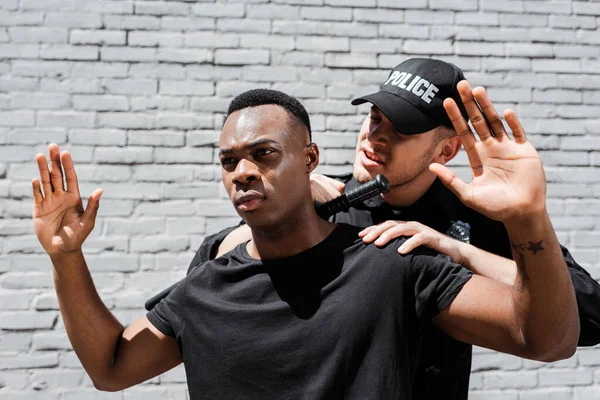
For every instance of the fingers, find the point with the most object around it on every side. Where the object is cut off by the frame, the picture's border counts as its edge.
(475, 116)
(460, 125)
(373, 232)
(324, 189)
(44, 173)
(88, 219)
(490, 114)
(70, 175)
(38, 197)
(412, 243)
(56, 175)
(452, 182)
(515, 126)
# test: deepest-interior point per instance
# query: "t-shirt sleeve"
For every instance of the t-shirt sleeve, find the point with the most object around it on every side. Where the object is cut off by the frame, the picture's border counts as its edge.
(167, 315)
(210, 246)
(436, 281)
(587, 291)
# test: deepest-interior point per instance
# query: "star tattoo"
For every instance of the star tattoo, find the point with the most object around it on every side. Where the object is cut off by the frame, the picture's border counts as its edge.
(535, 246)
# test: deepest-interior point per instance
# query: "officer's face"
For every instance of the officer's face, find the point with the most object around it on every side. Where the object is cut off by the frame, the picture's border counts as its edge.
(383, 150)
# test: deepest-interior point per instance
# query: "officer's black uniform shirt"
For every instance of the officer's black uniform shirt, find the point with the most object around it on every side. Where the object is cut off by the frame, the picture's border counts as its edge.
(445, 362)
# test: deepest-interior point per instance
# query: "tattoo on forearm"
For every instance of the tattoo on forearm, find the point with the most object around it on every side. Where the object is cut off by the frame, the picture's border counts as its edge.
(519, 250)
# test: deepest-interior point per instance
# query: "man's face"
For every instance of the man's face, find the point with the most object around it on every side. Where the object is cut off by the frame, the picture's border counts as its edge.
(263, 164)
(383, 150)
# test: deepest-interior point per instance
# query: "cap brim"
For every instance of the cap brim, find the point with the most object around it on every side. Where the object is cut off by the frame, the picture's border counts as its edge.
(406, 118)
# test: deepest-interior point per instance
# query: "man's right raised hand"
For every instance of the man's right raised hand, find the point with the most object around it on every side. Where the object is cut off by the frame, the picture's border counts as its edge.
(61, 224)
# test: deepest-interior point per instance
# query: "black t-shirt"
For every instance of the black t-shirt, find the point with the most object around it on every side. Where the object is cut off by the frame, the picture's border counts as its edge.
(340, 320)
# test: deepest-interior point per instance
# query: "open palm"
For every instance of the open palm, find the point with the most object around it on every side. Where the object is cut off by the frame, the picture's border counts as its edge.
(60, 221)
(508, 178)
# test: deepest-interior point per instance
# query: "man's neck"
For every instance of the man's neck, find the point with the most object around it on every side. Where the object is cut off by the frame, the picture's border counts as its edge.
(305, 230)
(409, 193)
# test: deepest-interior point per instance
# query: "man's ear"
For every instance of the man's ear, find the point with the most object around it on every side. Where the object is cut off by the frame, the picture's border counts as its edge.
(311, 155)
(447, 150)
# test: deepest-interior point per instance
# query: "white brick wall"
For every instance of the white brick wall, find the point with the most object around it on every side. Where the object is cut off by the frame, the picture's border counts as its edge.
(136, 91)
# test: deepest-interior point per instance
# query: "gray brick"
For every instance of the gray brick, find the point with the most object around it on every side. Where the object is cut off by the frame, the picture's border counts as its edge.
(37, 136)
(453, 5)
(326, 13)
(101, 173)
(545, 7)
(66, 52)
(37, 35)
(378, 15)
(73, 20)
(38, 100)
(350, 60)
(322, 43)
(570, 21)
(187, 23)
(19, 51)
(561, 377)
(21, 18)
(241, 57)
(100, 103)
(219, 10)
(529, 50)
(99, 37)
(184, 56)
(186, 88)
(127, 54)
(479, 49)
(14, 300)
(299, 58)
(17, 118)
(51, 341)
(126, 120)
(153, 39)
(42, 360)
(44, 380)
(16, 320)
(402, 3)
(404, 31)
(131, 22)
(428, 17)
(102, 137)
(183, 155)
(576, 51)
(584, 8)
(166, 208)
(477, 18)
(212, 40)
(428, 47)
(510, 380)
(158, 243)
(130, 86)
(119, 155)
(155, 138)
(183, 120)
(157, 103)
(12, 83)
(524, 20)
(260, 41)
(68, 119)
(161, 8)
(557, 96)
(272, 11)
(243, 25)
(99, 70)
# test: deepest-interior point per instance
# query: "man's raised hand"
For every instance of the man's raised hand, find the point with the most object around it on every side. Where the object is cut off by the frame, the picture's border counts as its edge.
(508, 179)
(60, 221)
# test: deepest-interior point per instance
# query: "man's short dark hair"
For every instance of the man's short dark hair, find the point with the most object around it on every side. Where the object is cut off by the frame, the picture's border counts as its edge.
(259, 97)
